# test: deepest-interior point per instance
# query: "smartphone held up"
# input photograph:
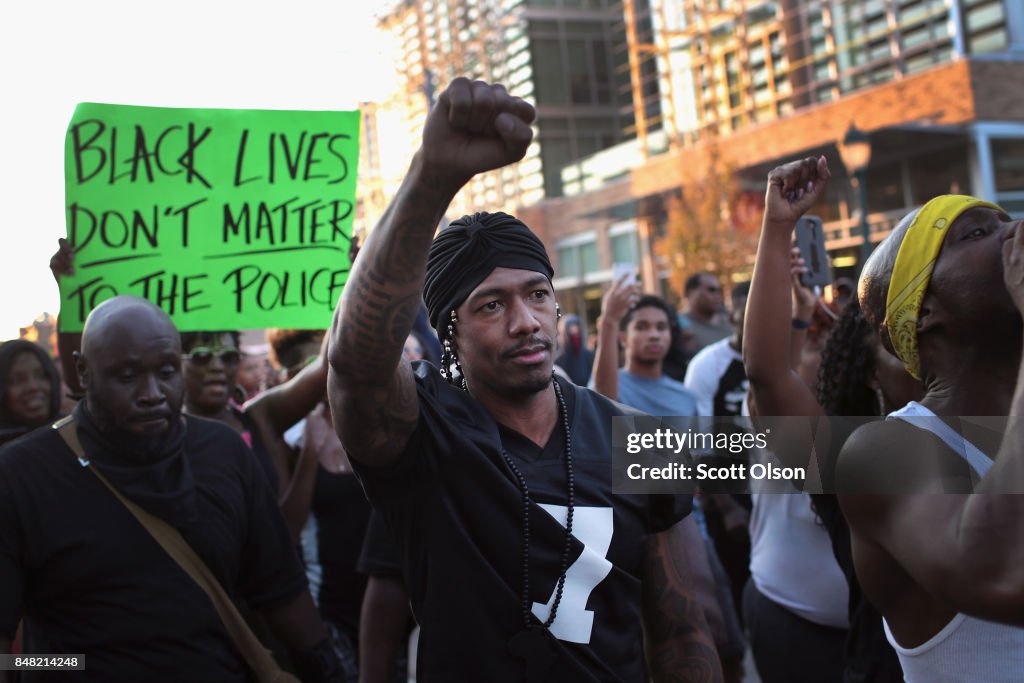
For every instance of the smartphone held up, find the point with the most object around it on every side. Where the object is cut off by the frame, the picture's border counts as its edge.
(810, 238)
(621, 269)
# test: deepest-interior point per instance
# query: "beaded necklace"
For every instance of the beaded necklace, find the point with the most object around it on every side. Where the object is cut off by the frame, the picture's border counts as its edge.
(531, 644)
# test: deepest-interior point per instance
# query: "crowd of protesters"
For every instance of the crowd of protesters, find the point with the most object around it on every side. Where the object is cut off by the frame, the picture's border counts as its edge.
(424, 490)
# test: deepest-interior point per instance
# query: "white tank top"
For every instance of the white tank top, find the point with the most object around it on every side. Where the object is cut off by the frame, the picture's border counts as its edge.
(966, 649)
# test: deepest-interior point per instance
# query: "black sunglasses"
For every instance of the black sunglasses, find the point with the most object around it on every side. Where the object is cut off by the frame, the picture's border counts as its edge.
(202, 355)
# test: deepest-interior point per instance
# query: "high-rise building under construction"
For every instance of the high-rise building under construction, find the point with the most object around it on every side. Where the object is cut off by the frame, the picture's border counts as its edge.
(567, 57)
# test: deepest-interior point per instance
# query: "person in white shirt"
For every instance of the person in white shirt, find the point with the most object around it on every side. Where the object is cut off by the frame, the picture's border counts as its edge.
(716, 375)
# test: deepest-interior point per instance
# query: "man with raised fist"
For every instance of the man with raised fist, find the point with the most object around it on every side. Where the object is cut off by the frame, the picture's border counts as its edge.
(495, 478)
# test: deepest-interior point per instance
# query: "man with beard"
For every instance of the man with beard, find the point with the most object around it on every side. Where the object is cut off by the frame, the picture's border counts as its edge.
(88, 578)
(495, 478)
(704, 321)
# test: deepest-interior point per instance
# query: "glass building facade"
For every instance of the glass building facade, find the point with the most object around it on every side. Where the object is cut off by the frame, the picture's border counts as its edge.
(729, 64)
(768, 81)
(567, 57)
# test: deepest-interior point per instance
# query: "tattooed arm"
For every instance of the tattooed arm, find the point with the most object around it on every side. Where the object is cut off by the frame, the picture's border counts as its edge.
(474, 127)
(678, 641)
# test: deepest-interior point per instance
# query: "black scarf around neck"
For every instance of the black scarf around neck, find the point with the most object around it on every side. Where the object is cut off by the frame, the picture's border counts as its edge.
(157, 478)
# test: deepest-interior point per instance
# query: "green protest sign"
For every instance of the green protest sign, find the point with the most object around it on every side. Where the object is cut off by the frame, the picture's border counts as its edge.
(227, 219)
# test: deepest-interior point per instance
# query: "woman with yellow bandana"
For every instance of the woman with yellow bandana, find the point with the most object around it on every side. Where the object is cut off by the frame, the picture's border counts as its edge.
(938, 555)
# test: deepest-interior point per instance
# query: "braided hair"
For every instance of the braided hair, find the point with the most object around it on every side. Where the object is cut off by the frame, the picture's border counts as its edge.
(847, 365)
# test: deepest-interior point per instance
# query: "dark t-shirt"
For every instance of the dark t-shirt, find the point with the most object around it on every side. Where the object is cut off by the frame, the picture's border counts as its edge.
(455, 509)
(251, 436)
(340, 512)
(379, 556)
(732, 389)
(869, 657)
(88, 578)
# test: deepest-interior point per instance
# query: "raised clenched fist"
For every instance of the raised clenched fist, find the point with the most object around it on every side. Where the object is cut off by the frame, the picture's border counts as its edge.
(474, 127)
(792, 189)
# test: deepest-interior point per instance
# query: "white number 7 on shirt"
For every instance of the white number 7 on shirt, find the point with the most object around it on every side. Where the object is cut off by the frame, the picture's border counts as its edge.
(592, 526)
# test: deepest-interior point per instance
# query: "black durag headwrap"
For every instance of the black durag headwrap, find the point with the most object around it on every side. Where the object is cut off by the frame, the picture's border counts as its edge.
(465, 253)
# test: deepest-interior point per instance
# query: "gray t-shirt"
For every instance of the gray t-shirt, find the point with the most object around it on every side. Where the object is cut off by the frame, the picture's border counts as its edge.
(703, 333)
(661, 396)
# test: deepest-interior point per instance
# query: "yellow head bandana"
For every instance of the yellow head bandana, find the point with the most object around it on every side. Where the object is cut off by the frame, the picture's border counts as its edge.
(913, 271)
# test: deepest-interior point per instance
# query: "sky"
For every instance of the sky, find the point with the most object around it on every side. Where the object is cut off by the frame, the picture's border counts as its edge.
(301, 54)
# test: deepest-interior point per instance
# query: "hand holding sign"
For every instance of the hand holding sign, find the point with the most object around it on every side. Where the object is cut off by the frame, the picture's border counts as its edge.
(63, 261)
(224, 218)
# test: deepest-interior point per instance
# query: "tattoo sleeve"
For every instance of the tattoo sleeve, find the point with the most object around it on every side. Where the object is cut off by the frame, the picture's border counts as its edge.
(373, 395)
(678, 641)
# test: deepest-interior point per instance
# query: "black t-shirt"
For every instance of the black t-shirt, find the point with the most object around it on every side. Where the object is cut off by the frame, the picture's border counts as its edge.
(251, 435)
(379, 556)
(455, 509)
(732, 389)
(869, 657)
(88, 578)
(341, 512)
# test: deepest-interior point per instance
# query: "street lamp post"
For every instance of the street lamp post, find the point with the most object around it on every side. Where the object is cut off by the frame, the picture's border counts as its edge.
(855, 151)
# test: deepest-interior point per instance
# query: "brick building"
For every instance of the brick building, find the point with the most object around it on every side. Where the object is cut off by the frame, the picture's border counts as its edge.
(936, 85)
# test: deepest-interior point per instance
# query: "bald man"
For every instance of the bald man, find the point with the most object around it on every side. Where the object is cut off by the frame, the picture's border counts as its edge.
(87, 578)
(937, 551)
